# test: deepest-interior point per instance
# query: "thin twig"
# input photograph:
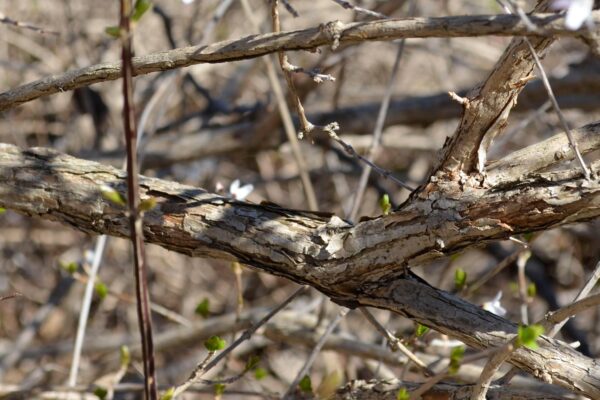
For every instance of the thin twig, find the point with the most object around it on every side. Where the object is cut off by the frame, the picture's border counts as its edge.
(360, 10)
(561, 116)
(315, 351)
(9, 21)
(286, 118)
(85, 309)
(133, 201)
(381, 116)
(250, 331)
(394, 343)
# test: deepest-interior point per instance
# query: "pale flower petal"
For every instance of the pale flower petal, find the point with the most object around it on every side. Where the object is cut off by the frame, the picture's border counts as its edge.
(494, 306)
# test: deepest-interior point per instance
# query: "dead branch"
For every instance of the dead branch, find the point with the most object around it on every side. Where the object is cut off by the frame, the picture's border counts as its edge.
(355, 265)
(306, 39)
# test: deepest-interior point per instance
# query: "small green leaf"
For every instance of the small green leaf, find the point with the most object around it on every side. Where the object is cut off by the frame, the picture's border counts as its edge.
(168, 395)
(260, 373)
(421, 330)
(141, 6)
(531, 290)
(113, 31)
(112, 195)
(100, 392)
(203, 308)
(528, 335)
(528, 236)
(2, 210)
(403, 394)
(305, 384)
(219, 389)
(252, 362)
(385, 204)
(460, 278)
(101, 290)
(215, 343)
(124, 355)
(70, 268)
(455, 256)
(148, 204)
(456, 356)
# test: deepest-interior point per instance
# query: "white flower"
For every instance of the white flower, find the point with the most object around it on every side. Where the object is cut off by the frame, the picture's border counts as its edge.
(494, 306)
(578, 11)
(240, 193)
(187, 1)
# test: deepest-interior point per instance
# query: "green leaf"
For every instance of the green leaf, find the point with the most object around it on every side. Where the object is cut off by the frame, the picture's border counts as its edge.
(148, 204)
(531, 290)
(203, 308)
(215, 343)
(305, 384)
(101, 290)
(528, 335)
(124, 355)
(528, 236)
(456, 356)
(141, 6)
(100, 392)
(460, 278)
(403, 394)
(219, 389)
(385, 204)
(252, 362)
(112, 195)
(168, 395)
(421, 330)
(329, 385)
(2, 210)
(70, 268)
(260, 373)
(113, 31)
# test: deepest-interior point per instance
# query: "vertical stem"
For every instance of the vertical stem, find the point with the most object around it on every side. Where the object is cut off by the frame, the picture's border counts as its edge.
(133, 201)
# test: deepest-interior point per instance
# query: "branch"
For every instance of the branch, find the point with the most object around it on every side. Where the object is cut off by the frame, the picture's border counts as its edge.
(360, 265)
(388, 390)
(487, 108)
(544, 154)
(307, 39)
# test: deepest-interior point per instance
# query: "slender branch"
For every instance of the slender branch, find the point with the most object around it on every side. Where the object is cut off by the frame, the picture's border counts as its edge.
(306, 39)
(133, 201)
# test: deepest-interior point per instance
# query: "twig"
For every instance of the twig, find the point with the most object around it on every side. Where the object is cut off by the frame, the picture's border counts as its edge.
(360, 10)
(133, 201)
(85, 309)
(315, 351)
(6, 20)
(381, 116)
(10, 296)
(206, 365)
(311, 38)
(561, 116)
(394, 343)
(286, 119)
(429, 383)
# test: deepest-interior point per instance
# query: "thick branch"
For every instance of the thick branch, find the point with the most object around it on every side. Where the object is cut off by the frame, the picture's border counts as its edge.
(354, 265)
(486, 109)
(307, 39)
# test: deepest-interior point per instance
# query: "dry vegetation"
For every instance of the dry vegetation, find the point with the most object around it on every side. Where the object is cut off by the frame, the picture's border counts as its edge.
(209, 124)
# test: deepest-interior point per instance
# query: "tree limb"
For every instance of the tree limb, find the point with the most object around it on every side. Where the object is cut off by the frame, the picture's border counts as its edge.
(355, 265)
(307, 39)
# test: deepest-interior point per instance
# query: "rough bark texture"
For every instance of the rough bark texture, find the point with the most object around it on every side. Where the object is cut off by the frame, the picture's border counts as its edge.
(362, 264)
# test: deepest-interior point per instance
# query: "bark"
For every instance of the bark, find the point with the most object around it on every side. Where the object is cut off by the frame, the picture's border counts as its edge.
(355, 265)
(307, 39)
